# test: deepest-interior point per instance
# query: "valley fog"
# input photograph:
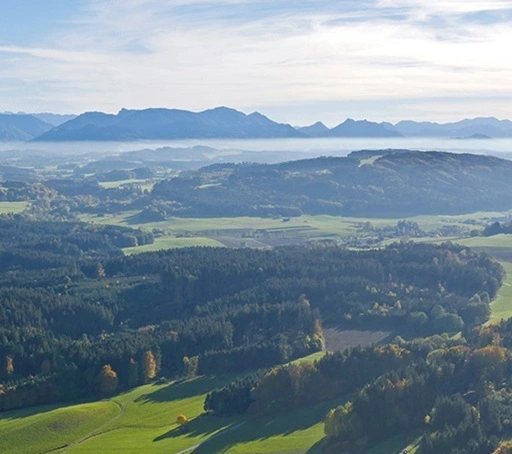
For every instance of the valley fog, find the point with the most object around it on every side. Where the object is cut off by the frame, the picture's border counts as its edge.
(259, 150)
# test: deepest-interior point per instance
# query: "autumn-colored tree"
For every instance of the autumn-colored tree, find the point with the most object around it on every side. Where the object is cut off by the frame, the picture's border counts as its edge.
(107, 380)
(148, 366)
(181, 420)
(9, 365)
(343, 423)
(504, 448)
(489, 362)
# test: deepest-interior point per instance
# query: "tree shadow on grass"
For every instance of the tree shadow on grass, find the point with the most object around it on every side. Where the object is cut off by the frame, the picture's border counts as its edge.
(184, 389)
(318, 448)
(255, 429)
(204, 425)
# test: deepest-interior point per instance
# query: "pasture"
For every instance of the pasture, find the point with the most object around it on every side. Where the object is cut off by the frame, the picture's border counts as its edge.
(501, 307)
(144, 420)
(247, 231)
(13, 207)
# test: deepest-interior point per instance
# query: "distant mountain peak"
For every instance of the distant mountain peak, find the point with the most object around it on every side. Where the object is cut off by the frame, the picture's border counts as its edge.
(16, 127)
(317, 129)
(362, 128)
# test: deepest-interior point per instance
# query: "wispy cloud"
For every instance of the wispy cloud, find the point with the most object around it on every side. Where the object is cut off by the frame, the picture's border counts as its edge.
(248, 53)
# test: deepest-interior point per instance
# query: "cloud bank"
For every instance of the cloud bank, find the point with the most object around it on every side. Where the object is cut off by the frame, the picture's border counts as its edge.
(381, 60)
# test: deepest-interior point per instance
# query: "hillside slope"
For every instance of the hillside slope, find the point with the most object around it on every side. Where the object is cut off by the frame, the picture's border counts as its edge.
(388, 183)
(20, 127)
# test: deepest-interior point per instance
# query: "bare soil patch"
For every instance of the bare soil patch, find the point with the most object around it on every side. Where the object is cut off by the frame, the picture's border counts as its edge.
(337, 339)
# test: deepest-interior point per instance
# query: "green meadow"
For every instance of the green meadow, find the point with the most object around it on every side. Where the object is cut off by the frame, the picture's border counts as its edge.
(13, 207)
(496, 241)
(169, 242)
(182, 232)
(501, 307)
(43, 429)
(143, 184)
(144, 420)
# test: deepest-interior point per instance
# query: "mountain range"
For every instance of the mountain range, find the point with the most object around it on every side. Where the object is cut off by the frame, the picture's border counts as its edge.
(223, 122)
(159, 124)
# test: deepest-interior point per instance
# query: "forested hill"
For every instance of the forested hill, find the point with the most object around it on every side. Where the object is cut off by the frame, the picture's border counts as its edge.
(211, 310)
(386, 183)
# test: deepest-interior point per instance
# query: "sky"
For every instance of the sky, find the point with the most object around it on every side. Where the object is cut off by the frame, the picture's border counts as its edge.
(295, 61)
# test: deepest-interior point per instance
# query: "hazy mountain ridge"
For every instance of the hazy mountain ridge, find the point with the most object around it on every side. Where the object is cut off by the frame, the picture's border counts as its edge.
(220, 122)
(483, 126)
(52, 118)
(227, 123)
(488, 126)
(19, 127)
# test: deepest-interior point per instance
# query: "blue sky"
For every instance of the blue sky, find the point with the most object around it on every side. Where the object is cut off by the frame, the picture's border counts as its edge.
(295, 61)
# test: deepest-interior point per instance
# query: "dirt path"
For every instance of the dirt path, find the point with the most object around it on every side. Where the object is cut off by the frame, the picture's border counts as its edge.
(98, 430)
(218, 434)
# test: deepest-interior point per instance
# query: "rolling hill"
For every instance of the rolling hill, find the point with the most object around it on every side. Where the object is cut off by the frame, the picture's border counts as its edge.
(387, 183)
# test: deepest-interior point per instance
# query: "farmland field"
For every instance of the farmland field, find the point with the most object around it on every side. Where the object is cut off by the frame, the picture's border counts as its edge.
(143, 184)
(13, 207)
(341, 339)
(502, 241)
(168, 242)
(262, 232)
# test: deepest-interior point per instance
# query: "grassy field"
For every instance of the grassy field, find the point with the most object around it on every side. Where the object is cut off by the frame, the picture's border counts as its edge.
(218, 231)
(325, 224)
(501, 307)
(13, 207)
(169, 242)
(143, 420)
(148, 421)
(143, 184)
(257, 232)
(496, 241)
(46, 428)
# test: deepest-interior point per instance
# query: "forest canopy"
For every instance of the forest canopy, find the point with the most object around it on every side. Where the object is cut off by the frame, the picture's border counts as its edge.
(210, 310)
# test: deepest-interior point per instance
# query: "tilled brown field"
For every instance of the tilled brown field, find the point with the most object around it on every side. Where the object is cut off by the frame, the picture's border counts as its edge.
(340, 339)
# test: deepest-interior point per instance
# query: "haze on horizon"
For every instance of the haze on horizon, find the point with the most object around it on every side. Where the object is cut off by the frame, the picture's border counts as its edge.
(296, 62)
